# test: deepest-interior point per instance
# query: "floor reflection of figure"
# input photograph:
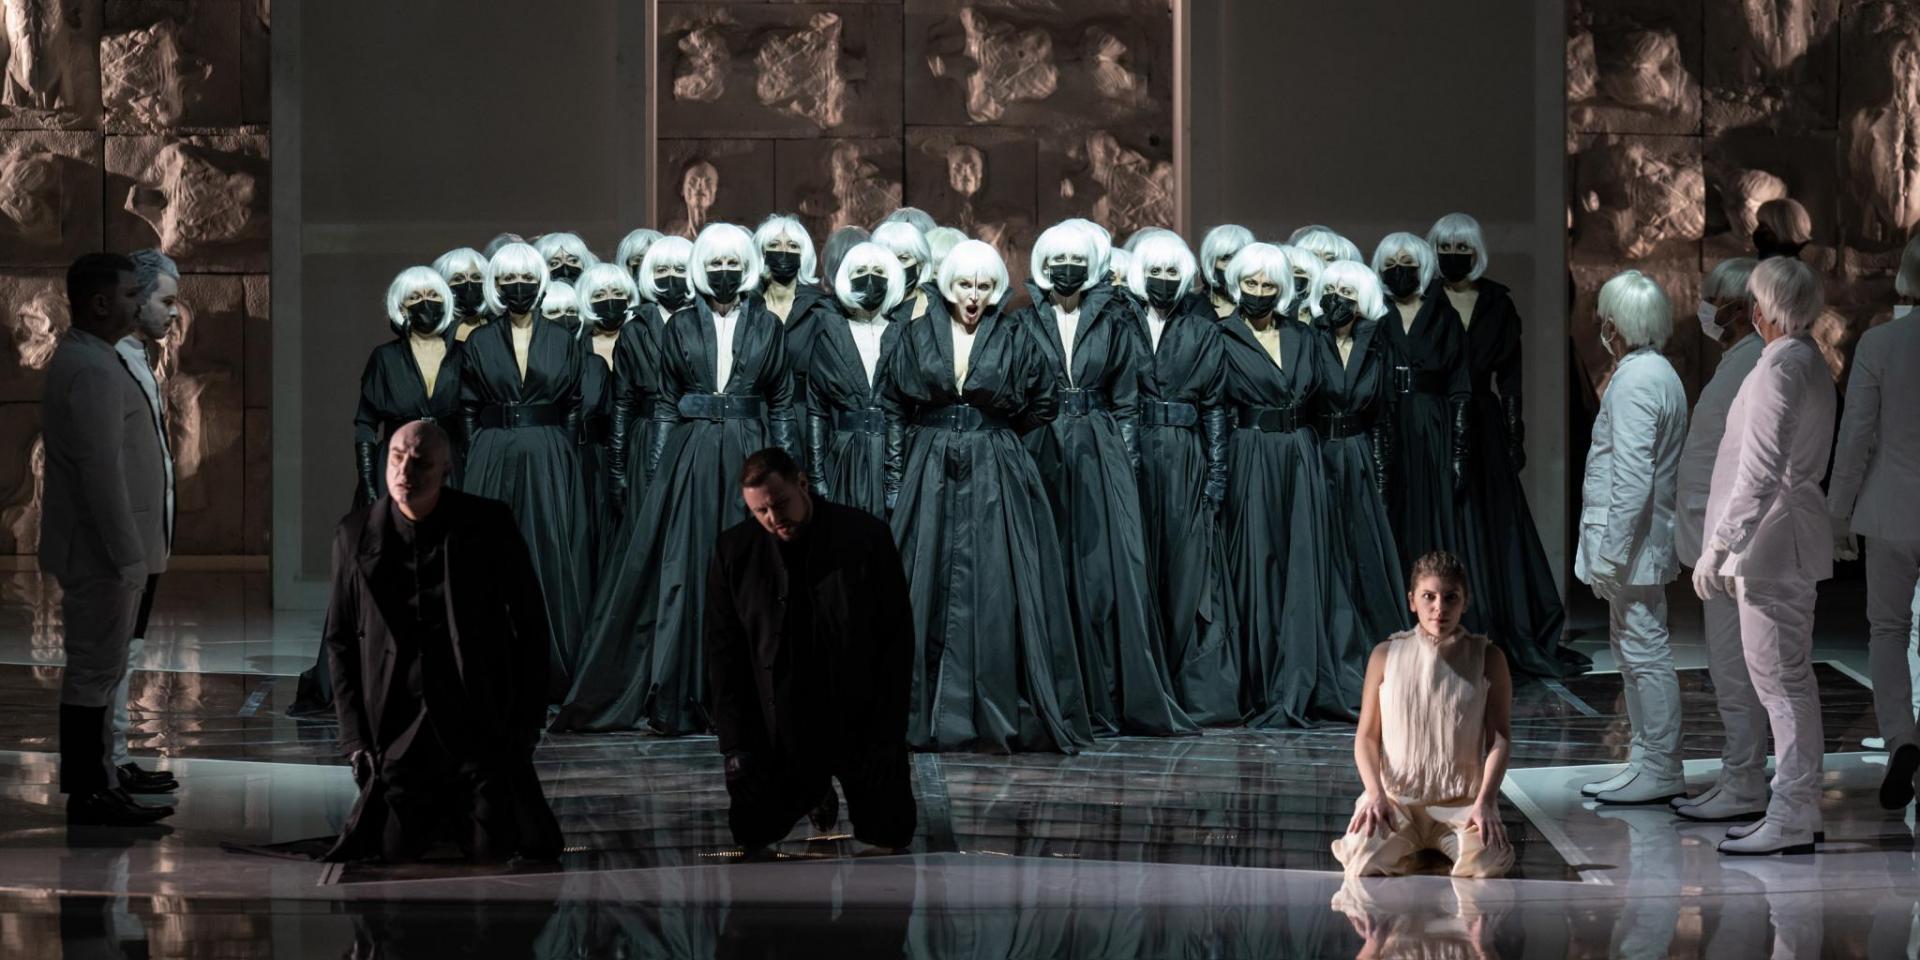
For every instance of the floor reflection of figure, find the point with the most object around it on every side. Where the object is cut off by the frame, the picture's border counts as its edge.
(1398, 920)
(1794, 912)
(1645, 924)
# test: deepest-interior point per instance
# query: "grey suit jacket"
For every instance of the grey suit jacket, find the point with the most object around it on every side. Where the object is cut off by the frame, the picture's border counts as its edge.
(105, 508)
(1876, 468)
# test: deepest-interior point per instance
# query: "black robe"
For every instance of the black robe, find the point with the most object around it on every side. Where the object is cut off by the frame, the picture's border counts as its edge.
(1367, 588)
(1088, 460)
(1185, 561)
(635, 390)
(535, 469)
(1422, 502)
(994, 665)
(393, 391)
(810, 309)
(1277, 535)
(1514, 595)
(640, 661)
(489, 697)
(850, 466)
(596, 404)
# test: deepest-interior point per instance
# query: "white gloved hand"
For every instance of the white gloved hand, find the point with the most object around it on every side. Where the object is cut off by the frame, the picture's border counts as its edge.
(1707, 581)
(1604, 577)
(1845, 545)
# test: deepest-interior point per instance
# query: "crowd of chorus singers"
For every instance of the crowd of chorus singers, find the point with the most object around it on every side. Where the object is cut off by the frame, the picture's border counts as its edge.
(1150, 492)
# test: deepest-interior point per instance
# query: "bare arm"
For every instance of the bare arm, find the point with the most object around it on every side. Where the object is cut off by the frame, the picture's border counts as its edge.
(1374, 813)
(1498, 724)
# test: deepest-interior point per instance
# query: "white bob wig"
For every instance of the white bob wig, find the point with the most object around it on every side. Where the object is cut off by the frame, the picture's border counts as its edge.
(912, 216)
(717, 240)
(1142, 235)
(1461, 228)
(1325, 243)
(1907, 282)
(1727, 281)
(1118, 262)
(551, 245)
(414, 280)
(665, 252)
(1787, 218)
(1064, 239)
(906, 240)
(633, 247)
(509, 260)
(973, 260)
(1224, 240)
(1257, 258)
(1639, 310)
(499, 240)
(781, 225)
(870, 254)
(1102, 244)
(559, 299)
(1788, 293)
(1395, 244)
(1368, 299)
(606, 276)
(460, 260)
(1304, 261)
(940, 242)
(1160, 251)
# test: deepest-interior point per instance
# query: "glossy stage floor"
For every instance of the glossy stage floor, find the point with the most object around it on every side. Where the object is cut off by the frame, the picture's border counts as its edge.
(1211, 846)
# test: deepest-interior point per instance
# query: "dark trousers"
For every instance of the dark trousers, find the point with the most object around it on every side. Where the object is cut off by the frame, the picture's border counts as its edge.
(431, 794)
(878, 785)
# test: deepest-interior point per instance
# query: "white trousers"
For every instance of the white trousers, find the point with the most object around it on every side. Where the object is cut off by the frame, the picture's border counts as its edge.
(1893, 567)
(1637, 632)
(1743, 760)
(1418, 827)
(1776, 629)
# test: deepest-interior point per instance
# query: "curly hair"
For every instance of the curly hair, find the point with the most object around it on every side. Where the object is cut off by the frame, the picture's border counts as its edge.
(1439, 564)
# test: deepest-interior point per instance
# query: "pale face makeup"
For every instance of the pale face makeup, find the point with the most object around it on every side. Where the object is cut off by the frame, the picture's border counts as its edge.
(971, 296)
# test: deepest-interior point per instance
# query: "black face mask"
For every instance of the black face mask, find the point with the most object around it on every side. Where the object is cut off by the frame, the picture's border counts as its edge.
(469, 296)
(610, 314)
(869, 290)
(913, 276)
(1401, 280)
(674, 292)
(565, 273)
(725, 284)
(1258, 305)
(1769, 246)
(1299, 287)
(783, 265)
(1336, 312)
(425, 316)
(519, 297)
(1456, 266)
(1067, 278)
(1220, 280)
(1163, 292)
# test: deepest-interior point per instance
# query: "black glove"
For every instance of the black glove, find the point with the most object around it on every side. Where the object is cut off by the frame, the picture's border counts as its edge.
(657, 434)
(469, 429)
(1382, 443)
(577, 425)
(1516, 433)
(1130, 440)
(619, 423)
(740, 770)
(896, 459)
(367, 454)
(783, 433)
(364, 767)
(817, 453)
(1459, 446)
(1217, 423)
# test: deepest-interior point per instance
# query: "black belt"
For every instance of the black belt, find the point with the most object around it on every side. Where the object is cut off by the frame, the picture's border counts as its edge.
(1339, 427)
(960, 416)
(511, 415)
(1271, 419)
(1409, 380)
(871, 421)
(1156, 413)
(719, 406)
(1081, 403)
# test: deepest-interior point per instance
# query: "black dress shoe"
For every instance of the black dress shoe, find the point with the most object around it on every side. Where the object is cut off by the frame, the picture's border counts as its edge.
(1896, 791)
(826, 815)
(133, 779)
(111, 808)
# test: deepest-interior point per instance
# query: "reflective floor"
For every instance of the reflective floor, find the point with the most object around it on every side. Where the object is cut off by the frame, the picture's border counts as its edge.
(1213, 846)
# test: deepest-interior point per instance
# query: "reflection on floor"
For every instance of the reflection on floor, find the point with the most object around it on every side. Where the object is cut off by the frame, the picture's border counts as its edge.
(1207, 846)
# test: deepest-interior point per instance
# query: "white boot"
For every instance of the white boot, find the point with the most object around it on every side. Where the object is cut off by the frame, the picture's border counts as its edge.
(1767, 839)
(1682, 803)
(1616, 781)
(1720, 804)
(1748, 829)
(1645, 787)
(1636, 746)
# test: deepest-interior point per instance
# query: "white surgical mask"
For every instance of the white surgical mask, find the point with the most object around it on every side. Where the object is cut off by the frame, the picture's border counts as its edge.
(1900, 310)
(1708, 324)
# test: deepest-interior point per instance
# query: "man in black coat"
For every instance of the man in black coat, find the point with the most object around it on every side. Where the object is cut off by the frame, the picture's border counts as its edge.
(809, 634)
(437, 640)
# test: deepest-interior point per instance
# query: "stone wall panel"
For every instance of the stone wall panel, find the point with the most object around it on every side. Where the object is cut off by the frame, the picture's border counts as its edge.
(50, 183)
(50, 64)
(1634, 66)
(713, 181)
(785, 70)
(203, 199)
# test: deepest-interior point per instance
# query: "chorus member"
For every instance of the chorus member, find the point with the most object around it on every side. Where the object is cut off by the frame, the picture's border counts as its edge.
(792, 292)
(1276, 523)
(1627, 508)
(1325, 243)
(632, 250)
(1217, 250)
(465, 271)
(1089, 463)
(838, 243)
(566, 256)
(940, 242)
(994, 665)
(1307, 268)
(1184, 428)
(1769, 541)
(914, 217)
(560, 305)
(854, 448)
(520, 403)
(664, 281)
(910, 248)
(414, 376)
(1875, 487)
(1434, 739)
(609, 303)
(726, 390)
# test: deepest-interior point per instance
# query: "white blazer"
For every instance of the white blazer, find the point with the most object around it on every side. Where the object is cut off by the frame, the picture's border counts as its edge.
(1876, 468)
(1766, 507)
(1628, 499)
(1704, 429)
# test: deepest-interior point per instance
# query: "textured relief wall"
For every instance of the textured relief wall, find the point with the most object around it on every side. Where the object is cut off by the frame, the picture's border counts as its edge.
(128, 124)
(1685, 116)
(998, 117)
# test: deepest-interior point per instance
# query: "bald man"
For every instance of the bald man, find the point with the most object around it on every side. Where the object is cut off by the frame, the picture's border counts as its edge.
(436, 637)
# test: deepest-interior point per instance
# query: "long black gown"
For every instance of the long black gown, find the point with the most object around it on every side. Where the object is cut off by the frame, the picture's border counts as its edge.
(994, 664)
(1422, 505)
(634, 391)
(1277, 533)
(810, 309)
(1182, 387)
(1367, 589)
(848, 428)
(524, 449)
(1088, 461)
(643, 661)
(596, 404)
(1513, 590)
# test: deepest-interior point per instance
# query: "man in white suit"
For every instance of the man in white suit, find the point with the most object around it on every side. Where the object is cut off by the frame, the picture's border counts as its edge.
(1875, 492)
(101, 527)
(1626, 524)
(1739, 792)
(1769, 541)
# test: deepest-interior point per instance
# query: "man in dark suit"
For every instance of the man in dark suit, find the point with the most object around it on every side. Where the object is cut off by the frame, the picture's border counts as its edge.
(809, 634)
(436, 636)
(102, 529)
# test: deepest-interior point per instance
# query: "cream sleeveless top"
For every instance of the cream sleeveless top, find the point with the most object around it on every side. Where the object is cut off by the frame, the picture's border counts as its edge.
(1432, 713)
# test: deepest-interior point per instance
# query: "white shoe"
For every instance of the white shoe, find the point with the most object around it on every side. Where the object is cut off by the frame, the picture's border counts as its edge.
(1747, 829)
(1682, 803)
(1614, 782)
(1766, 840)
(1721, 805)
(1645, 788)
